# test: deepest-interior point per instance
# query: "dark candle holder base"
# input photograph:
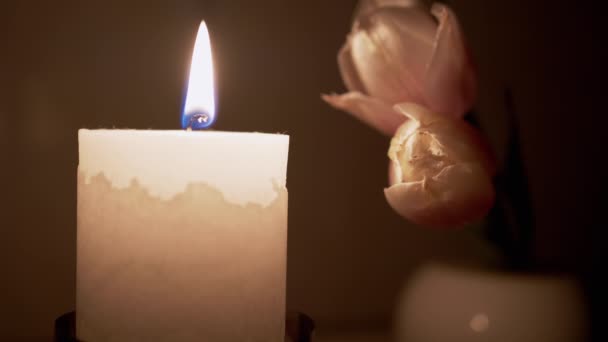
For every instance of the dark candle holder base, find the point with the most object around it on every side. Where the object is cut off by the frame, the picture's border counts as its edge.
(298, 328)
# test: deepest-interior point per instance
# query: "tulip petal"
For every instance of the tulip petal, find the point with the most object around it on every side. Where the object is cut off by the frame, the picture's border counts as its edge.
(391, 48)
(458, 137)
(407, 38)
(413, 201)
(451, 85)
(439, 173)
(465, 191)
(349, 73)
(371, 111)
(376, 67)
(459, 194)
(416, 112)
(365, 7)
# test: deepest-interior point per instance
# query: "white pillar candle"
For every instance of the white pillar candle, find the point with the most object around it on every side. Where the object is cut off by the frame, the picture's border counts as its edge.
(182, 235)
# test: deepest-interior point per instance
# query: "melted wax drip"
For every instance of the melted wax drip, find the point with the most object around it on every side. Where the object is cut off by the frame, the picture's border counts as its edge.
(196, 121)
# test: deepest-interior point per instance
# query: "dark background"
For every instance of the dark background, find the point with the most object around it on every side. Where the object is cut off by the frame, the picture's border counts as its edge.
(66, 65)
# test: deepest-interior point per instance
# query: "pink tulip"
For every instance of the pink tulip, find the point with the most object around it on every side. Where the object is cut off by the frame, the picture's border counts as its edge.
(440, 169)
(366, 6)
(399, 51)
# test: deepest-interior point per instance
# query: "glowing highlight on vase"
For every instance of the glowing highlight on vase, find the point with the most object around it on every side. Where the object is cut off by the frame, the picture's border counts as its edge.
(199, 106)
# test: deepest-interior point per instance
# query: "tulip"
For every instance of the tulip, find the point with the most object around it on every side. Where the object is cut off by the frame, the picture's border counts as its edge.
(440, 169)
(399, 51)
(366, 6)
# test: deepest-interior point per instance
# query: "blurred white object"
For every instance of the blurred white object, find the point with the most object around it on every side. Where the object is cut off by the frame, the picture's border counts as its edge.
(450, 303)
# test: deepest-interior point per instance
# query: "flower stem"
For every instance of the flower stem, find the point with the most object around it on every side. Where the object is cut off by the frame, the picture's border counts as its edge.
(510, 223)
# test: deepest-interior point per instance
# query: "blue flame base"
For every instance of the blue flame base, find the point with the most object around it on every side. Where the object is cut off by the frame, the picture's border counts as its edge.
(196, 120)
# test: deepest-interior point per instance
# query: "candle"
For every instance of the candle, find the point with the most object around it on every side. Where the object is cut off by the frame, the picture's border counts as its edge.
(182, 234)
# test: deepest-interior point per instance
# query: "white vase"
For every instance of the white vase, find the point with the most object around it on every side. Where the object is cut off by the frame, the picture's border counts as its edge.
(453, 303)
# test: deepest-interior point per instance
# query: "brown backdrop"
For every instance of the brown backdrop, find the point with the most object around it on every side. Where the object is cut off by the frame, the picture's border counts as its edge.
(72, 64)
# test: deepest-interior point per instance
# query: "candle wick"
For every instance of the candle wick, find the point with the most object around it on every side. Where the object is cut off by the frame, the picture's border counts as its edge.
(198, 121)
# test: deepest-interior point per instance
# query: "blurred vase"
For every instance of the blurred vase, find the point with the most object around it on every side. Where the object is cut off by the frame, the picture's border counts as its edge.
(453, 303)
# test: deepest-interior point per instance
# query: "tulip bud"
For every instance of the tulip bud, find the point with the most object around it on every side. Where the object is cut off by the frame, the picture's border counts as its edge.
(440, 170)
(398, 52)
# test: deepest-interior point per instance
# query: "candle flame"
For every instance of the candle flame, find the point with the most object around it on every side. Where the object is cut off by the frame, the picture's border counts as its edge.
(199, 107)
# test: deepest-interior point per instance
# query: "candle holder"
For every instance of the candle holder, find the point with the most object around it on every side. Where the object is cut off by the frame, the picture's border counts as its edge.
(298, 328)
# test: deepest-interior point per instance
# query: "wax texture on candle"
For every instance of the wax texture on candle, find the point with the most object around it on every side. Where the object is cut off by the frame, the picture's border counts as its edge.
(182, 260)
(243, 166)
